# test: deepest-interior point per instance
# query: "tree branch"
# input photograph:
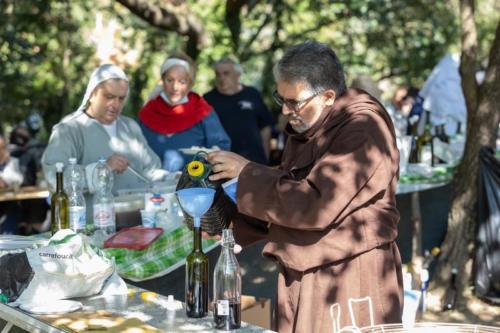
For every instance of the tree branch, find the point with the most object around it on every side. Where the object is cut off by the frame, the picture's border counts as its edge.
(172, 18)
(247, 47)
(233, 21)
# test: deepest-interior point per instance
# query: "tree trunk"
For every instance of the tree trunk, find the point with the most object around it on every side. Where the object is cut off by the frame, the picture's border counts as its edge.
(172, 17)
(483, 114)
(233, 21)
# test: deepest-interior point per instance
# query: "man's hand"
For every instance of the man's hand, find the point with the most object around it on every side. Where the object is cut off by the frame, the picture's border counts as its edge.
(117, 163)
(226, 164)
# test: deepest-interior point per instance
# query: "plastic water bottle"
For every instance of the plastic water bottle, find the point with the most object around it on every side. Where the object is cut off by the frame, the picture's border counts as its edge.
(75, 182)
(103, 205)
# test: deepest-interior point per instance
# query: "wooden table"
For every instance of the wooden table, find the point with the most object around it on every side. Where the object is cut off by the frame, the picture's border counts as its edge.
(25, 193)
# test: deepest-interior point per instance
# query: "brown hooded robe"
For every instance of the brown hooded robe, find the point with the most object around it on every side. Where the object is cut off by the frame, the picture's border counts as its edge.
(329, 216)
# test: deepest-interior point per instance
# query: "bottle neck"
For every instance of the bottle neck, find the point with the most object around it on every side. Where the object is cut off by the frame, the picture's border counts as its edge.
(453, 280)
(427, 118)
(59, 182)
(228, 245)
(197, 240)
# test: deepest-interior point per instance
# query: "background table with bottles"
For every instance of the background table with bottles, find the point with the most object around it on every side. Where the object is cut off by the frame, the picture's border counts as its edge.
(133, 305)
(423, 201)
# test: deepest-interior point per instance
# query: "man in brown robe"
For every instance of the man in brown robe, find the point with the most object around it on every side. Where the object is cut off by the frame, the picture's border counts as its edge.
(328, 212)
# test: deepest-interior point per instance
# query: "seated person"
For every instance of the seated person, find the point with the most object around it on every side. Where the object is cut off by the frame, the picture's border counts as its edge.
(29, 151)
(178, 118)
(97, 129)
(10, 178)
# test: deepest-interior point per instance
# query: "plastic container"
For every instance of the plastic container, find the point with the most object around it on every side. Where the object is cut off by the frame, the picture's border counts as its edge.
(136, 238)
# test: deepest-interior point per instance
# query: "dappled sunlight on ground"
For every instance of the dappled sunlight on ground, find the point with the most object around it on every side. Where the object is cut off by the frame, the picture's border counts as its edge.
(471, 311)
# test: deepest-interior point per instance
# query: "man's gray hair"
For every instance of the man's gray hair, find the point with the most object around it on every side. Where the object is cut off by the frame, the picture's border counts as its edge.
(230, 61)
(314, 64)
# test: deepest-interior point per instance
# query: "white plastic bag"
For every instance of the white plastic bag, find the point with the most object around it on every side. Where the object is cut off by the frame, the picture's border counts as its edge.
(67, 267)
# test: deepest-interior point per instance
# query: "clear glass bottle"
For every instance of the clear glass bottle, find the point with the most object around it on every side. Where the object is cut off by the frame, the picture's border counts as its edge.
(75, 182)
(59, 212)
(227, 286)
(196, 287)
(103, 204)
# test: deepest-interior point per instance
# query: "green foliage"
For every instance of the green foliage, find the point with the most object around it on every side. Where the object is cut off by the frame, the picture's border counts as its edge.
(47, 50)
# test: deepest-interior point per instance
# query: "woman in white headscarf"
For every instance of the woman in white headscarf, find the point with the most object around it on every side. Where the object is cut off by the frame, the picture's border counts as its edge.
(176, 117)
(97, 129)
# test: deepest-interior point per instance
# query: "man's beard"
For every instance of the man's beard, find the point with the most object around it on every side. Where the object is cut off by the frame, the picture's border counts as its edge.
(299, 127)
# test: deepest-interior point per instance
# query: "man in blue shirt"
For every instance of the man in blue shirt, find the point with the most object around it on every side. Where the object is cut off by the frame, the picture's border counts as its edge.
(242, 112)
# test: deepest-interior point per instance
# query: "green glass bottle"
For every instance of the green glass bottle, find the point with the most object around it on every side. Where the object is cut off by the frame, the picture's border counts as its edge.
(59, 203)
(413, 158)
(441, 133)
(425, 147)
(197, 279)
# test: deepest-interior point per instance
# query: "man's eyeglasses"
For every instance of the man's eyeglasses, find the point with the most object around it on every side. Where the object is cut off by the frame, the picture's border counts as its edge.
(292, 104)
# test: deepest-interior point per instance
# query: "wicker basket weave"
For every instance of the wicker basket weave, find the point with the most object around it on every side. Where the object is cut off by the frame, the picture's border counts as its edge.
(219, 215)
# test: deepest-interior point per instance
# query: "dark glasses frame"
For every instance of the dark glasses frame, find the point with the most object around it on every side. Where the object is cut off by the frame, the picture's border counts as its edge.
(292, 104)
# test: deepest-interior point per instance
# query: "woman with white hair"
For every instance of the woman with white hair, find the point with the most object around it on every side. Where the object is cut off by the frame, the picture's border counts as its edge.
(178, 118)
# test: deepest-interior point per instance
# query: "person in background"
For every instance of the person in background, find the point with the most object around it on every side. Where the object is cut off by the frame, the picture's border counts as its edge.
(176, 117)
(242, 112)
(328, 213)
(397, 99)
(11, 178)
(97, 129)
(29, 151)
(400, 108)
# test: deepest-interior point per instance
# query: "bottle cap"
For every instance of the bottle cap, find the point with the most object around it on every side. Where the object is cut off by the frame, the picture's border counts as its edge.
(72, 160)
(195, 168)
(59, 166)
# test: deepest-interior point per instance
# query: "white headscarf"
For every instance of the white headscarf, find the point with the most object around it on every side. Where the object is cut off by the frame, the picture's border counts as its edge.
(100, 74)
(158, 90)
(171, 62)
